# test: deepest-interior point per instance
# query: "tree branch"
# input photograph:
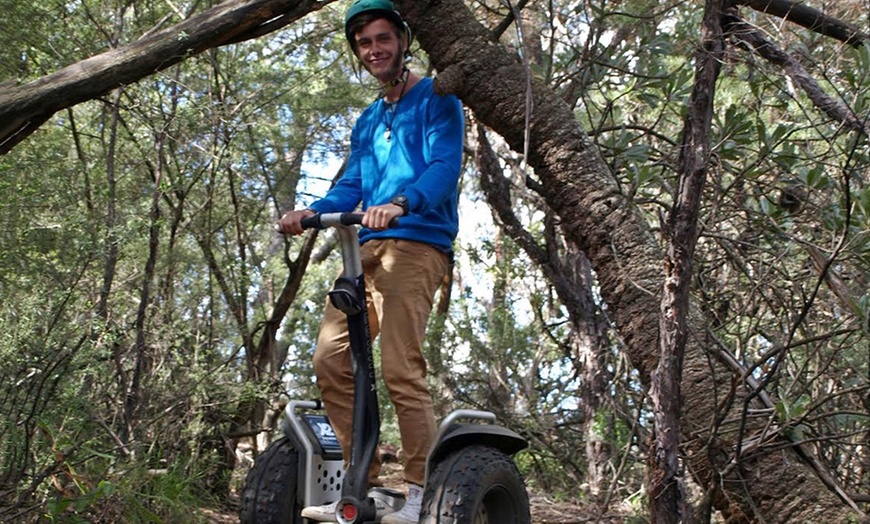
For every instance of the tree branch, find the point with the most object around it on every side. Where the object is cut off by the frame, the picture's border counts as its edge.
(23, 110)
(754, 40)
(813, 19)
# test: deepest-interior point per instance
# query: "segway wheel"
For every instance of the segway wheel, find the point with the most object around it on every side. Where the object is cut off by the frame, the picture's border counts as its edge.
(475, 485)
(269, 495)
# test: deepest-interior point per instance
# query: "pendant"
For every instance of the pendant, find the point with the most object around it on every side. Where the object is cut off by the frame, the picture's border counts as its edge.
(387, 134)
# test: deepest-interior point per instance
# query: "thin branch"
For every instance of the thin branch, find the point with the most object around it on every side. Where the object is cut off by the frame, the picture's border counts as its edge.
(811, 18)
(754, 40)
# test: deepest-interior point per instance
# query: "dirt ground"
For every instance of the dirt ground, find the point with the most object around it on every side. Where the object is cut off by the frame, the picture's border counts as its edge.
(544, 510)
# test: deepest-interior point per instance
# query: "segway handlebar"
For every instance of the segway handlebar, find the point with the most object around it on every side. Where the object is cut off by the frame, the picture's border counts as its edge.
(325, 220)
(347, 236)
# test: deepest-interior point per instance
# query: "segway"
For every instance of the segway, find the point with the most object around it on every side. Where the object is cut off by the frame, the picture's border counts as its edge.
(470, 476)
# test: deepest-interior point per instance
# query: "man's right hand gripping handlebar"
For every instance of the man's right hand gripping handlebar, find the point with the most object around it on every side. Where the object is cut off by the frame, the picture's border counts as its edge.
(291, 222)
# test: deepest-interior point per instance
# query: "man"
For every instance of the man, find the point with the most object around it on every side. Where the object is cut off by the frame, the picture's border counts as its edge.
(405, 160)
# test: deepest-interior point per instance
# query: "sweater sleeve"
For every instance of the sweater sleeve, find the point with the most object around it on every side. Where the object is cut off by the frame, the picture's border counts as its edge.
(444, 133)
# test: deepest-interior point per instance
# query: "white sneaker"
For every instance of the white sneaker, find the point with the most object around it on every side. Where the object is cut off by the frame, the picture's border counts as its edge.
(326, 512)
(410, 512)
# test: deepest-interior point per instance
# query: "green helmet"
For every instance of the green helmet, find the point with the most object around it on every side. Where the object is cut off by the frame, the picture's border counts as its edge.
(383, 8)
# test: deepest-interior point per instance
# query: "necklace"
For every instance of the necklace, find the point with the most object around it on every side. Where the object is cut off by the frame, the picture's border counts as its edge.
(390, 108)
(389, 115)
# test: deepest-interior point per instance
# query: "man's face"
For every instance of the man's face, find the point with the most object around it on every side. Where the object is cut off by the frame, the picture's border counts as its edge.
(380, 50)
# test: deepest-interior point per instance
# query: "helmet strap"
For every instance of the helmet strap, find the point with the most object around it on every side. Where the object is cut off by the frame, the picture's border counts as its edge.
(401, 79)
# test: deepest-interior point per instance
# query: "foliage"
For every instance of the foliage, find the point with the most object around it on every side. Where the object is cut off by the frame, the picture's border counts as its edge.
(139, 267)
(159, 198)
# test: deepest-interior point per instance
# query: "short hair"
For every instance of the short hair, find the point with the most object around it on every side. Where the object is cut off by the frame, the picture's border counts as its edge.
(358, 22)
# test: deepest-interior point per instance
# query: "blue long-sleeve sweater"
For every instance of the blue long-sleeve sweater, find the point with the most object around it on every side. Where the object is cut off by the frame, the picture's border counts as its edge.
(421, 160)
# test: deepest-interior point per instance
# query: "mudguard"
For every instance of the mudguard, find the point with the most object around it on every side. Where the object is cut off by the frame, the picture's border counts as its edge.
(460, 435)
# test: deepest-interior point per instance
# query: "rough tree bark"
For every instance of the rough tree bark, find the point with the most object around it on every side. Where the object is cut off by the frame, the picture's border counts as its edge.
(771, 487)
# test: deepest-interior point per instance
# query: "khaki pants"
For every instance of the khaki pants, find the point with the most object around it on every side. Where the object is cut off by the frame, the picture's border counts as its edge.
(401, 280)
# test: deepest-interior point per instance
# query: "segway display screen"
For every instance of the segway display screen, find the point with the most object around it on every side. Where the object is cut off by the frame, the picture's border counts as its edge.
(323, 433)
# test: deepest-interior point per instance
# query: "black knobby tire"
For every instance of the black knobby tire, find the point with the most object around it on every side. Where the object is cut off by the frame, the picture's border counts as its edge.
(475, 485)
(270, 492)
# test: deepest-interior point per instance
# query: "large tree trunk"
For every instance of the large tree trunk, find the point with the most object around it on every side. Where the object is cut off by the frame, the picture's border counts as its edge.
(754, 486)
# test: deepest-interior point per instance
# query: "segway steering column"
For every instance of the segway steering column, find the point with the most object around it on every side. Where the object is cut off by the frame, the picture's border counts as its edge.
(348, 295)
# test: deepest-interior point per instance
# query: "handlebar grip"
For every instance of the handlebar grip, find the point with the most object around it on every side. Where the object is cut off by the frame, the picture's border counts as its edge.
(312, 222)
(324, 220)
(355, 219)
(351, 219)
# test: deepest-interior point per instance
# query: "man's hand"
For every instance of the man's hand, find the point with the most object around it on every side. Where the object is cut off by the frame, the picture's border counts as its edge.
(378, 218)
(290, 222)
